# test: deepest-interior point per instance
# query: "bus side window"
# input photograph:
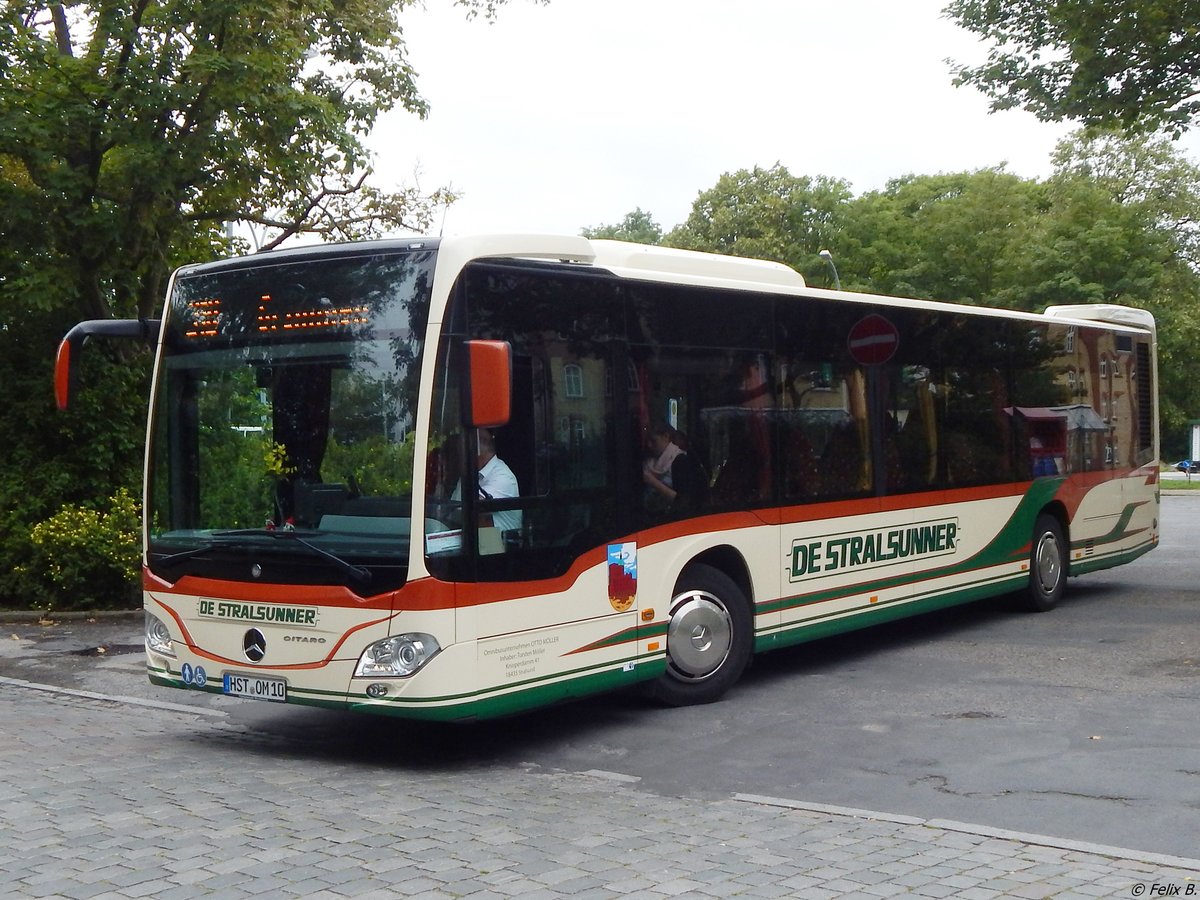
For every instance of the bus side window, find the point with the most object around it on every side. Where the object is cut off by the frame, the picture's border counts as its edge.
(824, 434)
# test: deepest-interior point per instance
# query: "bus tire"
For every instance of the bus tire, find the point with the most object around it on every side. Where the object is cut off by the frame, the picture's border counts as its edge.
(710, 636)
(1048, 561)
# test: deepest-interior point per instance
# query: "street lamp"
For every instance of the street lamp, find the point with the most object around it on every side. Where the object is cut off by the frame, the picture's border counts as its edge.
(828, 257)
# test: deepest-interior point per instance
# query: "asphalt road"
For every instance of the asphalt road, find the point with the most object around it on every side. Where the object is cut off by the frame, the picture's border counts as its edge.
(1082, 723)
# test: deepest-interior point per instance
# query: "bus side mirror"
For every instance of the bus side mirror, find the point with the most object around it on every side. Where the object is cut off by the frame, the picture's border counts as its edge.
(490, 364)
(65, 375)
(66, 363)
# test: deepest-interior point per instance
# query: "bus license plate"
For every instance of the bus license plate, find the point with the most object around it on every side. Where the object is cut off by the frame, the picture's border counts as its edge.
(255, 687)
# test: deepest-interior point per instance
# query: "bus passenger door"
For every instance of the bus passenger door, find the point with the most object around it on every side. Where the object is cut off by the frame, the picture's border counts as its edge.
(534, 584)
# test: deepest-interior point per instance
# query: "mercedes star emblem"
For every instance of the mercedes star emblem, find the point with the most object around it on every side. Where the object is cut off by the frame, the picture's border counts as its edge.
(254, 645)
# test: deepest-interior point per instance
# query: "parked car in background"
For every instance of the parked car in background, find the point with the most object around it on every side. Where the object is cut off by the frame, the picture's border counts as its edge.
(1188, 466)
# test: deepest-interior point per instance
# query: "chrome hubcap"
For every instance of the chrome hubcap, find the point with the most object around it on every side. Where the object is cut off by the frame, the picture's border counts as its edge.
(1049, 562)
(699, 636)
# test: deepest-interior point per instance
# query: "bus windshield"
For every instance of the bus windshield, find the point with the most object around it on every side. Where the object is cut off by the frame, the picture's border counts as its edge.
(282, 432)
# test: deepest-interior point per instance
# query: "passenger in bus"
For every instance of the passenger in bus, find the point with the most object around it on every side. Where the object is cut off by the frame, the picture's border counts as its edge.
(673, 478)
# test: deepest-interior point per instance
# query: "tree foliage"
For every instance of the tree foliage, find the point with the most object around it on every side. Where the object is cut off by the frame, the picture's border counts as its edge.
(1133, 201)
(1145, 172)
(49, 460)
(87, 558)
(766, 214)
(638, 227)
(947, 237)
(1131, 63)
(132, 132)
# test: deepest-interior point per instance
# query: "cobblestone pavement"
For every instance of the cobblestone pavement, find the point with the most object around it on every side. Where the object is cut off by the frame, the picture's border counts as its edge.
(127, 798)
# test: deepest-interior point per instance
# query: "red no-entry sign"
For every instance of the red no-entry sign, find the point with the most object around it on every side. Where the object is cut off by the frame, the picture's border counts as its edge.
(873, 340)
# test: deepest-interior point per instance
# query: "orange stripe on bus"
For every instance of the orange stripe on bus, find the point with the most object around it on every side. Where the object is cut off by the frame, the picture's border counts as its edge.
(319, 664)
(323, 595)
(430, 593)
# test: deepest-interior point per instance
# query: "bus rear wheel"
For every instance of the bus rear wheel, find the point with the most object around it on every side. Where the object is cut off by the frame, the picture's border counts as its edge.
(710, 634)
(1048, 557)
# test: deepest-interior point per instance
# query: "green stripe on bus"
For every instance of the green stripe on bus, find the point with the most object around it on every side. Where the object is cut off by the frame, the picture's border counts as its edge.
(844, 621)
(1109, 560)
(536, 692)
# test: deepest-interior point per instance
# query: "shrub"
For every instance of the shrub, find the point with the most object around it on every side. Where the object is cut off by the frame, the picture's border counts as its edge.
(90, 557)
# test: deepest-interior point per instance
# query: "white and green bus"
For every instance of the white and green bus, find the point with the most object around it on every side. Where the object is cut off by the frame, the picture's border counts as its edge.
(705, 459)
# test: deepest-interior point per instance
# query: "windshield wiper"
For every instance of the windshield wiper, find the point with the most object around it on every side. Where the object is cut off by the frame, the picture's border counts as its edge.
(172, 558)
(359, 573)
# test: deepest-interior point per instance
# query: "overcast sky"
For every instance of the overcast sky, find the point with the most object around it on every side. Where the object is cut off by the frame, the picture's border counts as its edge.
(567, 116)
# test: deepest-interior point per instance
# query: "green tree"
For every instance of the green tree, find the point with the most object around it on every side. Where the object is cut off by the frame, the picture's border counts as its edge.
(767, 214)
(90, 556)
(48, 460)
(944, 237)
(1121, 229)
(638, 227)
(1132, 63)
(1147, 172)
(130, 135)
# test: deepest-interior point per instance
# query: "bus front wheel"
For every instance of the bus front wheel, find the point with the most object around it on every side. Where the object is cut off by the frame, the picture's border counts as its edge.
(710, 634)
(1048, 558)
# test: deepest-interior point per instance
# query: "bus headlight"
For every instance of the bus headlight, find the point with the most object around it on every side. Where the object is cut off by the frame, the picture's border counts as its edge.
(158, 638)
(397, 657)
